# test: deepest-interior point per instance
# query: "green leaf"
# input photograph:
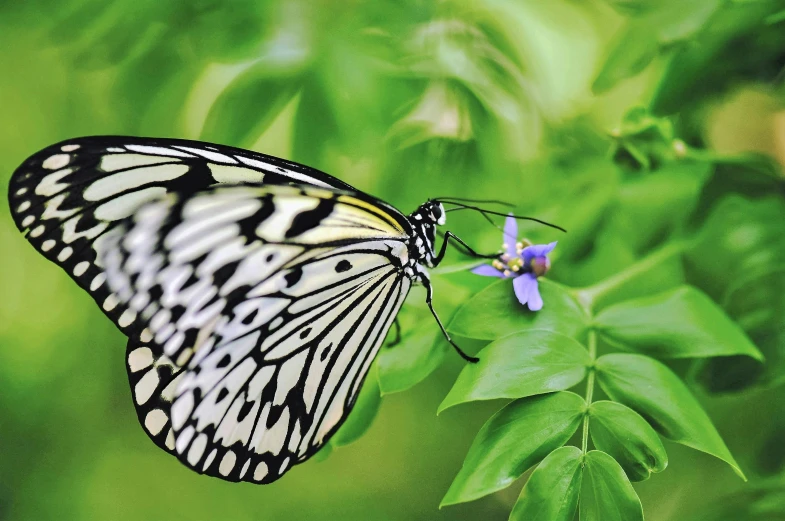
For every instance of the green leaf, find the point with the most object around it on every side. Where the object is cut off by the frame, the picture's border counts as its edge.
(656, 393)
(495, 312)
(606, 493)
(625, 435)
(679, 323)
(239, 116)
(552, 492)
(633, 49)
(514, 439)
(402, 366)
(518, 365)
(757, 303)
(362, 415)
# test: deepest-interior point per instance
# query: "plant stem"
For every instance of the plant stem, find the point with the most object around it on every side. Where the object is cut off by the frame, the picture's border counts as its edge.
(589, 389)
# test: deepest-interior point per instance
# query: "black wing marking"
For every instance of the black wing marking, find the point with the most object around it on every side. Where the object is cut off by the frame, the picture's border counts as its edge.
(67, 196)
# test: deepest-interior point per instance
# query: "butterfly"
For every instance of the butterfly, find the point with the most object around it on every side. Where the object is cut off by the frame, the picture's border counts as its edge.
(255, 292)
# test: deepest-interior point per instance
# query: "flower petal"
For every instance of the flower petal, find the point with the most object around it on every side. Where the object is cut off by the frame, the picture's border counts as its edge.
(523, 286)
(487, 271)
(537, 250)
(535, 300)
(510, 235)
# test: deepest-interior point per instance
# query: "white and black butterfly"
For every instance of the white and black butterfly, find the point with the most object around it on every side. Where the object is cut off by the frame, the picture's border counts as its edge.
(255, 292)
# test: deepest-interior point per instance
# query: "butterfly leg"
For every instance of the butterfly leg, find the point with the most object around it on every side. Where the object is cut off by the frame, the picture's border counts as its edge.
(469, 250)
(429, 294)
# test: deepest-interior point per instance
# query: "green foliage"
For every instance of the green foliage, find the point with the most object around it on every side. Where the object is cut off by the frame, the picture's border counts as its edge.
(553, 490)
(655, 392)
(499, 455)
(671, 276)
(479, 317)
(404, 365)
(606, 493)
(522, 364)
(679, 323)
(625, 435)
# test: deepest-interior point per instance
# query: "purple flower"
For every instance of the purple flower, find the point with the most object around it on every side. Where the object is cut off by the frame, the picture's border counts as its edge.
(523, 262)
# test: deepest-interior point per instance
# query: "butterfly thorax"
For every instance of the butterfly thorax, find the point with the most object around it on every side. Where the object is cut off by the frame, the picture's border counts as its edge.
(422, 249)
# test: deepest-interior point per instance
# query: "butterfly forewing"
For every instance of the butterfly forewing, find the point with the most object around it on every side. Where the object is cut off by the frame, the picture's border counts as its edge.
(273, 299)
(67, 197)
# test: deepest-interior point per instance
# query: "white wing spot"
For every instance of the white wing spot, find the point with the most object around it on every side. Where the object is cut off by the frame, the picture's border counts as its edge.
(111, 302)
(197, 449)
(235, 174)
(184, 439)
(48, 244)
(80, 268)
(24, 206)
(154, 421)
(51, 185)
(69, 148)
(145, 335)
(27, 221)
(140, 358)
(227, 463)
(245, 467)
(170, 440)
(21, 191)
(261, 471)
(128, 316)
(65, 253)
(98, 281)
(56, 161)
(209, 460)
(145, 387)
(284, 466)
(38, 230)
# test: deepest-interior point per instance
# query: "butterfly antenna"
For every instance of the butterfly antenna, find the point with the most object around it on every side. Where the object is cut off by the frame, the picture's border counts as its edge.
(461, 206)
(449, 200)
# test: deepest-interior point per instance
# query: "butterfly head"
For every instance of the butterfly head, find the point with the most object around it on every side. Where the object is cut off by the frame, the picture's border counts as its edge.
(424, 221)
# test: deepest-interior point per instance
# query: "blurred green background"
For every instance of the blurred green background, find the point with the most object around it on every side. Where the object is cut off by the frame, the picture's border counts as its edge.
(525, 100)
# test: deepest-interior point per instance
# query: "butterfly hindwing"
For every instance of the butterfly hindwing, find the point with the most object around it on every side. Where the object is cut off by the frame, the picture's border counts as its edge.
(69, 195)
(154, 379)
(274, 300)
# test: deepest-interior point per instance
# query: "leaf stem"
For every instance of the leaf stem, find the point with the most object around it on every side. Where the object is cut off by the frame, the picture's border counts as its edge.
(589, 389)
